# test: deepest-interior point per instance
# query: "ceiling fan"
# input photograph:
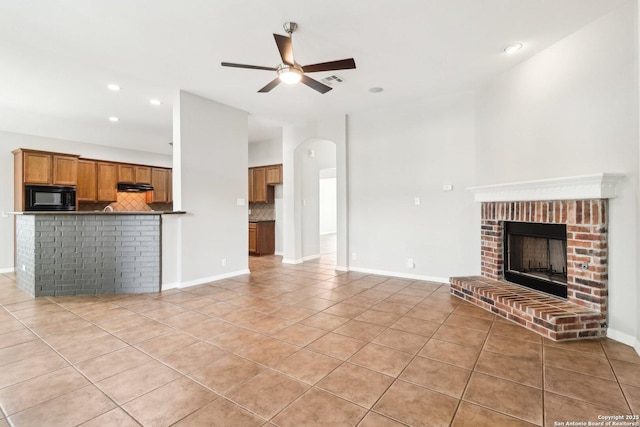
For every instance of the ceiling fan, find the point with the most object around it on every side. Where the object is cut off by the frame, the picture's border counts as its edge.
(290, 71)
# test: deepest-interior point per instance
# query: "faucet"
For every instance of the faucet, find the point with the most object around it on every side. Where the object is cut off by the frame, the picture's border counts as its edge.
(107, 207)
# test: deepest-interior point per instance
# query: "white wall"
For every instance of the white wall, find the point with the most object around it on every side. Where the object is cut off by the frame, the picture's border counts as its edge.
(262, 153)
(10, 141)
(570, 110)
(210, 157)
(397, 154)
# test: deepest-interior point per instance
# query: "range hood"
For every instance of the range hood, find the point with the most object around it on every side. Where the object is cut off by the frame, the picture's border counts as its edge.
(134, 188)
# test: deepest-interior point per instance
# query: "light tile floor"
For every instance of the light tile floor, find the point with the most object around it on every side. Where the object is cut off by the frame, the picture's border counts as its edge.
(296, 346)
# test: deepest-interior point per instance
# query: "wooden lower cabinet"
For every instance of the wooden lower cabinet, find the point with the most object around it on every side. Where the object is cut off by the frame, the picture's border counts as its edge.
(262, 237)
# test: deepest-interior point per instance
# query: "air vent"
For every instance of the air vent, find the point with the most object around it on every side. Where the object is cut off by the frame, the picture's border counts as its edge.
(331, 80)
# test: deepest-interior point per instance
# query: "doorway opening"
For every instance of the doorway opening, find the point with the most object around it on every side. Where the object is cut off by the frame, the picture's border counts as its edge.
(328, 215)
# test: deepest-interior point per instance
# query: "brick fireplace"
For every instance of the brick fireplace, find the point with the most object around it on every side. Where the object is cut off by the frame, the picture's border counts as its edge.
(583, 313)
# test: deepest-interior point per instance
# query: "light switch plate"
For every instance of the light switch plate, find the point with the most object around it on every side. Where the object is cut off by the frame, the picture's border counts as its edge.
(416, 201)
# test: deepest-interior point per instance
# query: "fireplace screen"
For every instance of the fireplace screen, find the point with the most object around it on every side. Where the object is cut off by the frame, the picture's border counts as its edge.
(536, 256)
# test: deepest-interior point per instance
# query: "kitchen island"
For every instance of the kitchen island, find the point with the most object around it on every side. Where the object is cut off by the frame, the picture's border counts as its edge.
(76, 253)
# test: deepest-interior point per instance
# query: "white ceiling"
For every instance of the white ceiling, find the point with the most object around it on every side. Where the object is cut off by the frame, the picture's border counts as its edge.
(57, 56)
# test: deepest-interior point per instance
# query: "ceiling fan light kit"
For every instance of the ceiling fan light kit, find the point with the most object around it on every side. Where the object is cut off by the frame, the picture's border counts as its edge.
(291, 72)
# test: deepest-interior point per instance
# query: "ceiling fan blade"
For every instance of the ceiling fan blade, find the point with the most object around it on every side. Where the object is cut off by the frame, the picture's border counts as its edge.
(285, 48)
(273, 83)
(343, 64)
(251, 67)
(314, 84)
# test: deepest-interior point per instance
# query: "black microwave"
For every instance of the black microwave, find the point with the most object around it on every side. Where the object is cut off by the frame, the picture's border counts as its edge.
(49, 198)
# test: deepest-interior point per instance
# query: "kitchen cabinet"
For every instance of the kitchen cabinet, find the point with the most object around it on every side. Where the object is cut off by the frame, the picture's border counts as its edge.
(143, 175)
(127, 173)
(262, 237)
(37, 168)
(65, 170)
(251, 185)
(259, 191)
(43, 168)
(159, 178)
(87, 189)
(134, 174)
(274, 174)
(253, 242)
(107, 181)
(169, 186)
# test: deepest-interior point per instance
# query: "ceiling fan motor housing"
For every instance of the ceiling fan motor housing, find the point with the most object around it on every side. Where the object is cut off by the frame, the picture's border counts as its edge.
(290, 27)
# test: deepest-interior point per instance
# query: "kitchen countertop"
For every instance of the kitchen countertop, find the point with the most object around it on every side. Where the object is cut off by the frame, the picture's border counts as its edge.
(262, 220)
(96, 213)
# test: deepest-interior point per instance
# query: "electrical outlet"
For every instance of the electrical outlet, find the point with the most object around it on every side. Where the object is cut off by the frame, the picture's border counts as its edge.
(447, 187)
(354, 256)
(410, 263)
(24, 267)
(224, 262)
(416, 201)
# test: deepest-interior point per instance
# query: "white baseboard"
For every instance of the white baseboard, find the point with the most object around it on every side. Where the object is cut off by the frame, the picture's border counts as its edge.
(7, 270)
(340, 268)
(623, 338)
(401, 275)
(292, 261)
(310, 257)
(279, 253)
(182, 285)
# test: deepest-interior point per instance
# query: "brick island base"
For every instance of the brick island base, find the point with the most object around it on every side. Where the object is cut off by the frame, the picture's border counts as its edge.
(80, 253)
(549, 316)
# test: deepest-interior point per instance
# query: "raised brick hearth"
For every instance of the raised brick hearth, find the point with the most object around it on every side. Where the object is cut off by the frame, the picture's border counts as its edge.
(583, 314)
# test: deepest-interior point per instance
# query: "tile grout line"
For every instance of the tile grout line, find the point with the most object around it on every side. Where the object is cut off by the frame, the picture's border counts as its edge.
(70, 365)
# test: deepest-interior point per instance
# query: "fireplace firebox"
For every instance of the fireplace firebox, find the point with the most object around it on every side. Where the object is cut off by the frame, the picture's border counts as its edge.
(535, 256)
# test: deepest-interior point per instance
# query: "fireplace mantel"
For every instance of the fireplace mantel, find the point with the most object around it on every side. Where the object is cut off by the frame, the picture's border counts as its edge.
(594, 186)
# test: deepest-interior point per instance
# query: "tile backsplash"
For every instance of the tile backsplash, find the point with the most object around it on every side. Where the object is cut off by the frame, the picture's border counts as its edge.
(131, 202)
(262, 211)
(127, 202)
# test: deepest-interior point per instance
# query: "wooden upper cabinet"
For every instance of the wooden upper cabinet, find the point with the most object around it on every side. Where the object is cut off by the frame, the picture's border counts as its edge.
(127, 173)
(143, 175)
(87, 189)
(107, 181)
(44, 168)
(259, 190)
(251, 197)
(169, 185)
(274, 174)
(260, 185)
(37, 168)
(159, 179)
(65, 170)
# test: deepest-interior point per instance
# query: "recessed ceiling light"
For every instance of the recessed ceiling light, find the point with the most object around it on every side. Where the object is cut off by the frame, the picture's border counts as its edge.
(155, 102)
(114, 87)
(512, 48)
(376, 89)
(114, 119)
